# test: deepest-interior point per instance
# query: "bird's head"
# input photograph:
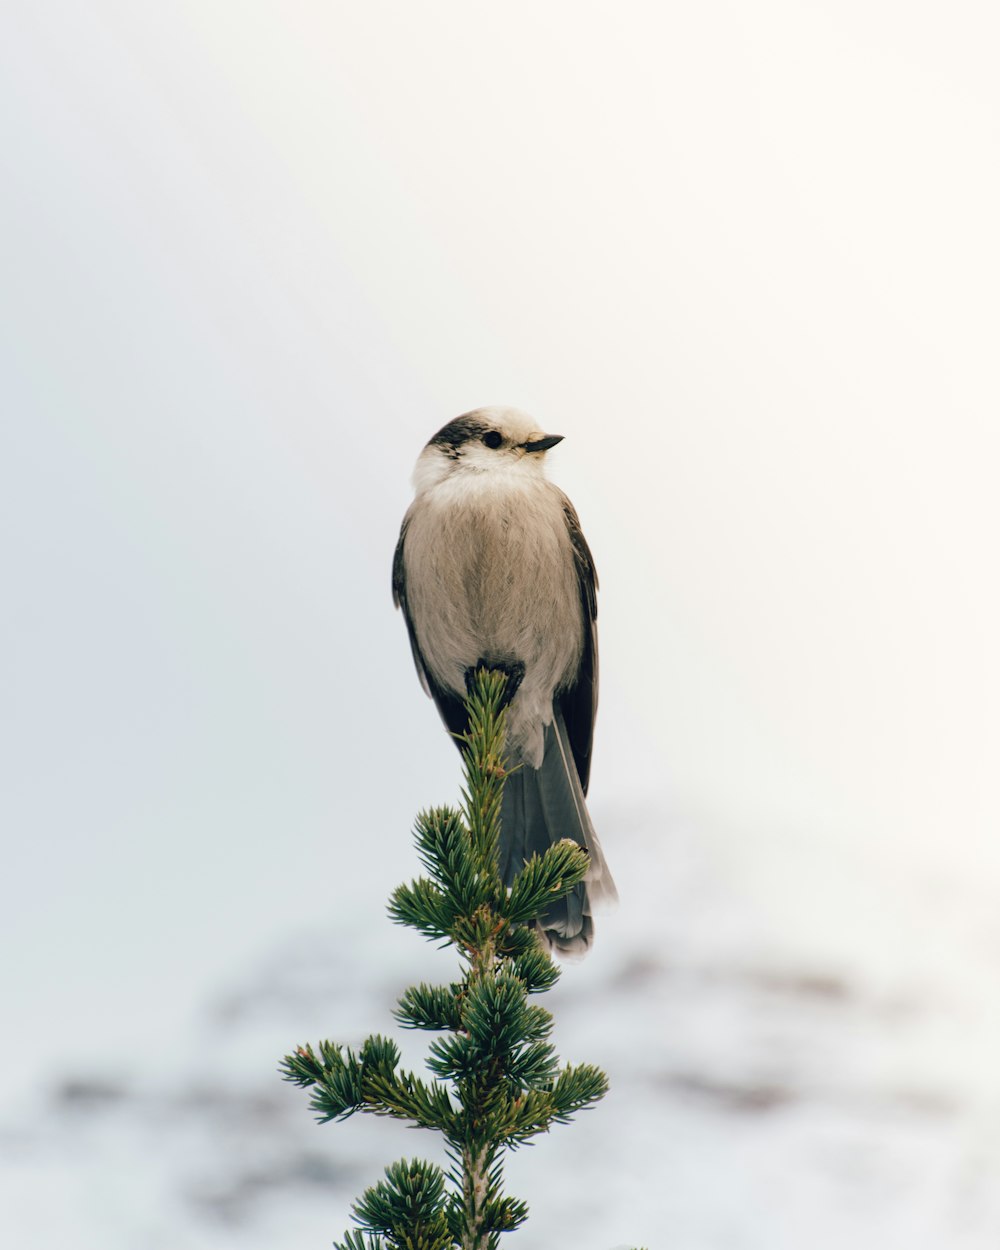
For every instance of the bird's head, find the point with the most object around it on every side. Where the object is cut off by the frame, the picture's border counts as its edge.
(493, 440)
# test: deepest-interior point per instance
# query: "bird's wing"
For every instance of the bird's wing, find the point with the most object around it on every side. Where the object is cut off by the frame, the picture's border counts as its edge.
(578, 703)
(451, 708)
(399, 599)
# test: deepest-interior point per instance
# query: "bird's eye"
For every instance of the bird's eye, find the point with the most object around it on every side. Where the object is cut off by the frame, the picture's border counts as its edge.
(492, 438)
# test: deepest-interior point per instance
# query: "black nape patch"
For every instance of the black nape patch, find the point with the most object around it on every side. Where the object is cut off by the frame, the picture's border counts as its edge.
(453, 436)
(512, 669)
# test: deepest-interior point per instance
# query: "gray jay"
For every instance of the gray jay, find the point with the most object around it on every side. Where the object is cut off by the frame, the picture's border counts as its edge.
(492, 569)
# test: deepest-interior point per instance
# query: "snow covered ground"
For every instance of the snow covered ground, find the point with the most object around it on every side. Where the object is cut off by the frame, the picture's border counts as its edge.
(766, 1093)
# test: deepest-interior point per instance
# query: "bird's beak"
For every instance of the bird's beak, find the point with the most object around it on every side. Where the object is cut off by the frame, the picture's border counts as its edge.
(543, 443)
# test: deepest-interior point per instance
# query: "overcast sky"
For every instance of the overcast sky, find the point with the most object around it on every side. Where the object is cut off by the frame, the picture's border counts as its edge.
(744, 257)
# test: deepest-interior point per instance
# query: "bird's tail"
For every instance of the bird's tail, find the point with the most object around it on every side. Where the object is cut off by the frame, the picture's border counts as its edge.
(541, 806)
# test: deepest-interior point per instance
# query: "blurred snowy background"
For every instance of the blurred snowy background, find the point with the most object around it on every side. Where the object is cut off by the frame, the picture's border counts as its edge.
(746, 258)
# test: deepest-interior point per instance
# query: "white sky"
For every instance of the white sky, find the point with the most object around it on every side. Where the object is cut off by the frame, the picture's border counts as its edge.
(744, 257)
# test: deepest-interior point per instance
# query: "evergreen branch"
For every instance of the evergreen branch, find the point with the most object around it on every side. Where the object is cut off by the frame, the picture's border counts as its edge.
(408, 1208)
(430, 1007)
(478, 933)
(495, 1012)
(503, 1215)
(303, 1068)
(515, 940)
(536, 1023)
(545, 879)
(353, 1240)
(531, 1114)
(444, 849)
(575, 1089)
(485, 766)
(423, 906)
(498, 1082)
(454, 1058)
(340, 1077)
(406, 1097)
(533, 1066)
(338, 1092)
(534, 967)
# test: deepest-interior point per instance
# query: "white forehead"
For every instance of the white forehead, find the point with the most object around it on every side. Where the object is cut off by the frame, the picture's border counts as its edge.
(511, 422)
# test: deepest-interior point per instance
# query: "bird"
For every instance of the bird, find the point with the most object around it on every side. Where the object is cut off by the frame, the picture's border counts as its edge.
(492, 570)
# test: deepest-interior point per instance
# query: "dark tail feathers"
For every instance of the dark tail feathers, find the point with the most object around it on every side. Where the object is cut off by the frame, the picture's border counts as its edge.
(541, 806)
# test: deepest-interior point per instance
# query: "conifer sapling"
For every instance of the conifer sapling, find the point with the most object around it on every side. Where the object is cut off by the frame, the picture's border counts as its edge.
(496, 1081)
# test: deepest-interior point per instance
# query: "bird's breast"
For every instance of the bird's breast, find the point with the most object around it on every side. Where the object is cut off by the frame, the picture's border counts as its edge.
(491, 574)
